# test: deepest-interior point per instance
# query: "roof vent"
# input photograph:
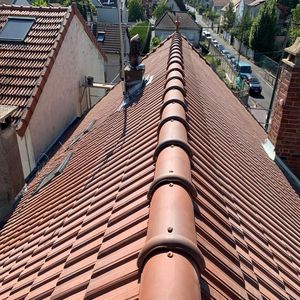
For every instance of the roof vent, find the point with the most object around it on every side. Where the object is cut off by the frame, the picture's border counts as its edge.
(101, 36)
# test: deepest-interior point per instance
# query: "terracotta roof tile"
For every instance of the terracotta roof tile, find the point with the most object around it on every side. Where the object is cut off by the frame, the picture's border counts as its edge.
(111, 43)
(81, 235)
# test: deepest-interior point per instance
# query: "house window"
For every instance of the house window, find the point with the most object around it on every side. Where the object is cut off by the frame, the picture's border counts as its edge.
(101, 36)
(16, 29)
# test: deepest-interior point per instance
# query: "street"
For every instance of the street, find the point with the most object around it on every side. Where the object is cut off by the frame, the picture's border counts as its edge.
(259, 104)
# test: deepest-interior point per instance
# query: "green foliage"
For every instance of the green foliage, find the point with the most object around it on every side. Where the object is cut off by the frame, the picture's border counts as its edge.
(229, 17)
(242, 28)
(192, 14)
(155, 42)
(294, 31)
(135, 10)
(144, 31)
(160, 9)
(263, 29)
(42, 3)
(84, 6)
(210, 14)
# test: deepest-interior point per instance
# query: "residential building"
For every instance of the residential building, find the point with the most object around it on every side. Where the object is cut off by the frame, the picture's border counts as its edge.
(170, 195)
(107, 11)
(242, 8)
(218, 5)
(189, 28)
(46, 55)
(108, 37)
(176, 5)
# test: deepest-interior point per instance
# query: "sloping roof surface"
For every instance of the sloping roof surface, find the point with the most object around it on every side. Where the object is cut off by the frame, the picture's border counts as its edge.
(111, 43)
(24, 67)
(256, 2)
(80, 235)
(167, 21)
(220, 3)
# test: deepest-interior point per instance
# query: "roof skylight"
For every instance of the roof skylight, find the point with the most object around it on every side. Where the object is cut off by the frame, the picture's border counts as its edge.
(56, 171)
(101, 36)
(16, 29)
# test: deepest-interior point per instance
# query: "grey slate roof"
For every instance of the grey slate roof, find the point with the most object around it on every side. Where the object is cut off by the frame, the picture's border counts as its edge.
(167, 21)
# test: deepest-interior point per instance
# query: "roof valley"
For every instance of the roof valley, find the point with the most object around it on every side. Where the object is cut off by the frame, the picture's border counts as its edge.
(171, 237)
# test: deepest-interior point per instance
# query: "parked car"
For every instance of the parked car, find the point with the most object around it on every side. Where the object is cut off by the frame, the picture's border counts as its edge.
(253, 82)
(233, 62)
(221, 47)
(230, 56)
(225, 52)
(215, 42)
(244, 68)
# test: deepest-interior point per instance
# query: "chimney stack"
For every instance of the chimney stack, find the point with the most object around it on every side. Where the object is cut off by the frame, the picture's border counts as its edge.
(285, 126)
(134, 72)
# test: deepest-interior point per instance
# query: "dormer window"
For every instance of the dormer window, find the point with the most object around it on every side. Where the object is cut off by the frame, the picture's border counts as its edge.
(16, 29)
(101, 36)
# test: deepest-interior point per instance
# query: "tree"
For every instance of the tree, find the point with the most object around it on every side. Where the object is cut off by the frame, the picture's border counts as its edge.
(84, 6)
(263, 29)
(42, 3)
(294, 31)
(229, 17)
(212, 15)
(160, 9)
(135, 10)
(241, 30)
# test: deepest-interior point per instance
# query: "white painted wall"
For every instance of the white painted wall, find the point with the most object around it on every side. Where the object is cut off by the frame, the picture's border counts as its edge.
(26, 152)
(58, 104)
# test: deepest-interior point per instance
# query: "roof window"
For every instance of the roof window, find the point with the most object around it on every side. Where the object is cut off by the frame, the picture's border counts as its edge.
(56, 171)
(16, 29)
(79, 136)
(101, 36)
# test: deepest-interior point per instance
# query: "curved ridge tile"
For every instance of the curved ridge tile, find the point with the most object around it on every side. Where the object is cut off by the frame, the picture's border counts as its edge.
(171, 236)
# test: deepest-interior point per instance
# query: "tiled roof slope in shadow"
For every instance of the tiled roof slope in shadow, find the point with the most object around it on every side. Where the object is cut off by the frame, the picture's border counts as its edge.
(25, 66)
(247, 214)
(80, 236)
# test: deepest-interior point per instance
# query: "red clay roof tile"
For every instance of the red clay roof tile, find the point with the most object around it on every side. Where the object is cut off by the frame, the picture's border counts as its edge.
(80, 235)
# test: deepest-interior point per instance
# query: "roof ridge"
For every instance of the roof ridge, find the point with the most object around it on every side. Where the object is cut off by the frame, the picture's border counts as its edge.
(34, 8)
(171, 237)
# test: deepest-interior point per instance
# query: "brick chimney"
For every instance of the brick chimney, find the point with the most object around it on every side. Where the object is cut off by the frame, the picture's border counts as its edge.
(285, 126)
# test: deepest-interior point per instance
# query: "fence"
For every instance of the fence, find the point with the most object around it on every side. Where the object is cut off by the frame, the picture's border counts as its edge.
(267, 63)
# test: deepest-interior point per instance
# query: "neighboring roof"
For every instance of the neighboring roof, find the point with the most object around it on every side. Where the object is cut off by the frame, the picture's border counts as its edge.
(167, 21)
(220, 3)
(112, 43)
(256, 3)
(25, 66)
(235, 5)
(109, 3)
(80, 235)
